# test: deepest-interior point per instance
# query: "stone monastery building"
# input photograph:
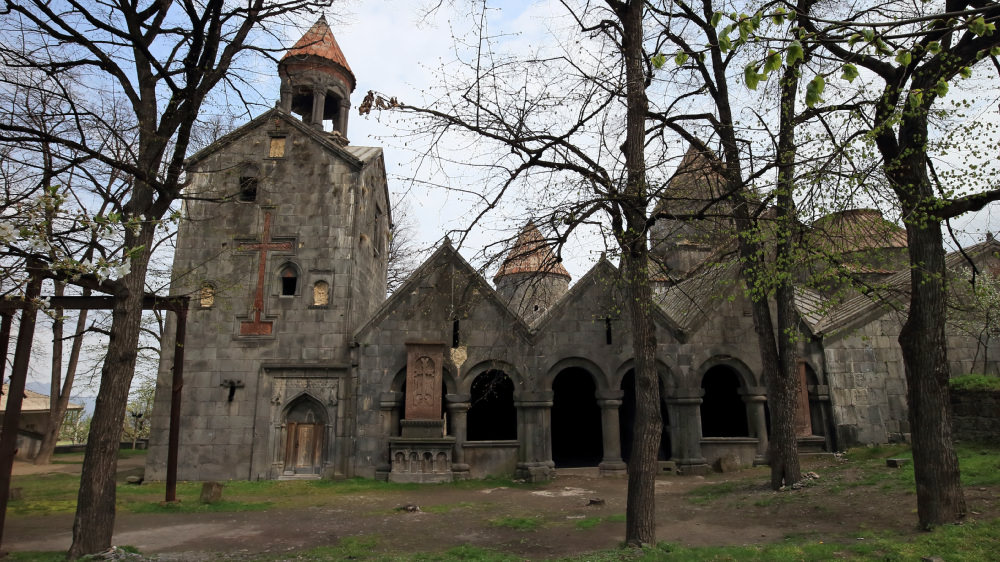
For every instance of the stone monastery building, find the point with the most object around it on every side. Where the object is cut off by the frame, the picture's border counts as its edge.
(296, 365)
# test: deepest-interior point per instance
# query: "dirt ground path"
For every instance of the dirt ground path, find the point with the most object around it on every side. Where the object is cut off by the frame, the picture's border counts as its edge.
(451, 517)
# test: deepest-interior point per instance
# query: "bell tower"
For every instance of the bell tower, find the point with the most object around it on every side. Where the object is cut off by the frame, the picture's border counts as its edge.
(316, 81)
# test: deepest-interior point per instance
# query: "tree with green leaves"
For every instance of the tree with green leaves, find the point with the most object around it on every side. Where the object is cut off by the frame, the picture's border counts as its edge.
(913, 56)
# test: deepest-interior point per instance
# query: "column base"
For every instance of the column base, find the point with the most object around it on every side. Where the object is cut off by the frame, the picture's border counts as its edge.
(612, 469)
(534, 472)
(460, 471)
(693, 466)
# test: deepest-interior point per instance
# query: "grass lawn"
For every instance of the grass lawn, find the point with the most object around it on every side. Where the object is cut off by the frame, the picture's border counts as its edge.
(860, 475)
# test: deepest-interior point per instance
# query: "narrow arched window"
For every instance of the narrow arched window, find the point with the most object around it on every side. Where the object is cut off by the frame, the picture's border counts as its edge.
(289, 280)
(249, 175)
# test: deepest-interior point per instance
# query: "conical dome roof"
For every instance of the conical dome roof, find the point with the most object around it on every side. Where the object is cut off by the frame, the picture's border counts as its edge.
(530, 254)
(695, 183)
(319, 42)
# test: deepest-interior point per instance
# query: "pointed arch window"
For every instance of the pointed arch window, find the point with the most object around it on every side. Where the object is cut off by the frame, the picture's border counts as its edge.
(289, 280)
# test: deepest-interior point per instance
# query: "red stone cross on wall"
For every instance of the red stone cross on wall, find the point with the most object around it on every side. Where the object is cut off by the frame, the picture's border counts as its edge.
(258, 327)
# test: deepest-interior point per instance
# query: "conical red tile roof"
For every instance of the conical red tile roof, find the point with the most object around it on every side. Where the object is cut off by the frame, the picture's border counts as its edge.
(319, 41)
(531, 254)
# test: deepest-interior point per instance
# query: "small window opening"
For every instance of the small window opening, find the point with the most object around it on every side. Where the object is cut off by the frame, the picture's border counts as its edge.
(536, 308)
(248, 183)
(277, 148)
(321, 293)
(207, 296)
(289, 281)
(607, 331)
(455, 334)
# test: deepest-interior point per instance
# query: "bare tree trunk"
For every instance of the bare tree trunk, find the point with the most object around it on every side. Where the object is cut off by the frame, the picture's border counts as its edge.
(940, 498)
(640, 510)
(95, 510)
(57, 409)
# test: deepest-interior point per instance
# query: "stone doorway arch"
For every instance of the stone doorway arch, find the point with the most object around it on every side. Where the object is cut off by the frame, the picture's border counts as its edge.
(627, 417)
(305, 436)
(576, 419)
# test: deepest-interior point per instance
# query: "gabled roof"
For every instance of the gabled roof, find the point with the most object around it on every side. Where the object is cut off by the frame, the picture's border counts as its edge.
(530, 254)
(689, 302)
(598, 276)
(33, 402)
(356, 156)
(444, 255)
(854, 230)
(810, 305)
(862, 309)
(319, 42)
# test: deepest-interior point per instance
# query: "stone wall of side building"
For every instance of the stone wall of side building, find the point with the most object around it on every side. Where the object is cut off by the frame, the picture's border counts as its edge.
(975, 415)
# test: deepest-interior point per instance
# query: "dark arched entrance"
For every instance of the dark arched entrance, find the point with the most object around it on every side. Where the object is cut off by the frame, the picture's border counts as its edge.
(305, 431)
(576, 419)
(626, 418)
(492, 416)
(723, 412)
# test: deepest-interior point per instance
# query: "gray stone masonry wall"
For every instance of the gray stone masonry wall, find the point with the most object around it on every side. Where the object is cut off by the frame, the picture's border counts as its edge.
(572, 334)
(868, 384)
(320, 203)
(975, 415)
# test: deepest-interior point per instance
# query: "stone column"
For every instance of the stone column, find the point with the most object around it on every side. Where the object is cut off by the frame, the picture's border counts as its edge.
(285, 101)
(389, 407)
(345, 111)
(685, 432)
(755, 397)
(458, 407)
(611, 463)
(319, 103)
(535, 436)
(803, 421)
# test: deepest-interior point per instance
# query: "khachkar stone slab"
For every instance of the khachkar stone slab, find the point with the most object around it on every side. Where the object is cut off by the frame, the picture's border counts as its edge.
(423, 381)
(423, 453)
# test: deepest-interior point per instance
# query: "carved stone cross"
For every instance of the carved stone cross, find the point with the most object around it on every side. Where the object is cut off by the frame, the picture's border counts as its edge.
(258, 327)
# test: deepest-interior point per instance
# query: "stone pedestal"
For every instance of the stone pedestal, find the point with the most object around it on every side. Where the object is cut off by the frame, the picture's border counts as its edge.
(421, 460)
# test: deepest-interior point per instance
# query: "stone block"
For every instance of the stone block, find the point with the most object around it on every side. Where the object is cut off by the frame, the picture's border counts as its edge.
(896, 463)
(211, 492)
(728, 463)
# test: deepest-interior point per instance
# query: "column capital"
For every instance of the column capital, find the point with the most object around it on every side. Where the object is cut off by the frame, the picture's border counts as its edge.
(537, 396)
(609, 394)
(608, 403)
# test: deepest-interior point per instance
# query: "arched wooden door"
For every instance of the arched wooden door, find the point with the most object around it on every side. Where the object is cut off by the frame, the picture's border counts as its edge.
(305, 430)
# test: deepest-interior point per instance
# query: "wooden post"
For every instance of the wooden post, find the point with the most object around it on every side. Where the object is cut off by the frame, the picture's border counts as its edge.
(175, 403)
